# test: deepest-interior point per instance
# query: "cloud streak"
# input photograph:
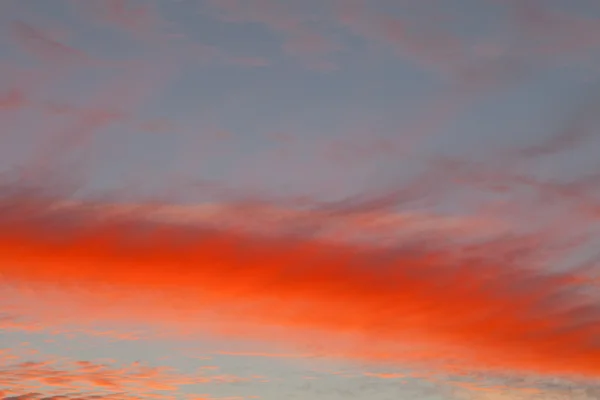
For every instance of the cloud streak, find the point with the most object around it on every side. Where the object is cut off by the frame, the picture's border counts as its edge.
(301, 39)
(483, 305)
(24, 376)
(44, 47)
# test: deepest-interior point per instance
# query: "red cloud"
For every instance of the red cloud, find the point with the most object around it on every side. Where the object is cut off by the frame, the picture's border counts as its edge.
(11, 100)
(431, 294)
(475, 305)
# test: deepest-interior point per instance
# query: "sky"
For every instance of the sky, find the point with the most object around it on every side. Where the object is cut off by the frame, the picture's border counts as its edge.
(283, 199)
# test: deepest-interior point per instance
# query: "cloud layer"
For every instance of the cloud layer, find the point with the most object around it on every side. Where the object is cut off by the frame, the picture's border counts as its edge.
(168, 176)
(479, 304)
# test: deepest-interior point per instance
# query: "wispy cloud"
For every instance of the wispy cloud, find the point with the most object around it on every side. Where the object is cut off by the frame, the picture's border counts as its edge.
(265, 355)
(11, 100)
(481, 304)
(142, 20)
(300, 37)
(440, 50)
(73, 379)
(44, 47)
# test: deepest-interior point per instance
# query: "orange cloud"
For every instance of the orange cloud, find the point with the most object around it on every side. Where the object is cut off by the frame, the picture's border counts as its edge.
(258, 354)
(470, 304)
(56, 376)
